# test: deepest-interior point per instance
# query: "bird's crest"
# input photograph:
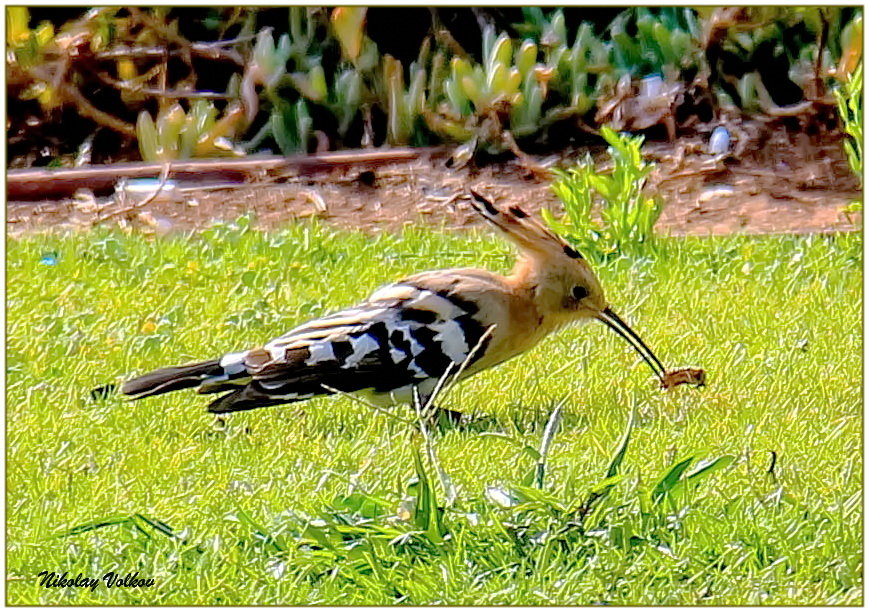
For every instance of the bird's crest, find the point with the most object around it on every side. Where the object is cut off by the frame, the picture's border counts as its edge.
(523, 230)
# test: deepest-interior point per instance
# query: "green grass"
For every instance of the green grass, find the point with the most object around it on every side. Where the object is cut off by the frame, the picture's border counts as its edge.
(775, 321)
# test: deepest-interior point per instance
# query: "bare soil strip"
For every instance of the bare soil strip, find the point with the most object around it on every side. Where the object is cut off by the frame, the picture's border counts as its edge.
(788, 184)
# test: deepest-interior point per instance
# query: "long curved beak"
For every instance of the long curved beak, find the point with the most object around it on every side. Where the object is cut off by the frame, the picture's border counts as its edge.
(615, 323)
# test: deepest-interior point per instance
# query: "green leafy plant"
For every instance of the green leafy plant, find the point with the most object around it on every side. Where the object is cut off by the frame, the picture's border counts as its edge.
(539, 520)
(627, 215)
(849, 99)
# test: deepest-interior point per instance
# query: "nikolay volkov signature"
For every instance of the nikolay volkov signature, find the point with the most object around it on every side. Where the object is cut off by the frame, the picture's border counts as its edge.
(111, 579)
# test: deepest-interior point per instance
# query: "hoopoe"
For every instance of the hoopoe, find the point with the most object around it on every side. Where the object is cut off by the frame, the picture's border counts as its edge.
(403, 338)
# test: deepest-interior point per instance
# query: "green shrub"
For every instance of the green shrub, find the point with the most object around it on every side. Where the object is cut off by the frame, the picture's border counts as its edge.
(627, 216)
(849, 99)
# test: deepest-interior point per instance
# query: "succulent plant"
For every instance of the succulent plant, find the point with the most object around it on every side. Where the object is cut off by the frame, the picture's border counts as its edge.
(511, 87)
(348, 23)
(518, 88)
(578, 69)
(270, 59)
(849, 102)
(303, 25)
(852, 48)
(666, 41)
(404, 106)
(179, 135)
(522, 86)
(346, 97)
(291, 126)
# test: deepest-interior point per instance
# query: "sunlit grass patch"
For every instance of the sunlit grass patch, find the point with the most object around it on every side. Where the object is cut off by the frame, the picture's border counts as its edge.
(314, 502)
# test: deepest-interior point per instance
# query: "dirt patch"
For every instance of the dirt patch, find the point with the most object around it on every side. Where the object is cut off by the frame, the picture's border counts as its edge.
(787, 183)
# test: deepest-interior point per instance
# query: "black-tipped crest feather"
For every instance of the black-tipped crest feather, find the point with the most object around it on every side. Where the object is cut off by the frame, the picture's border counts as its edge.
(488, 209)
(521, 228)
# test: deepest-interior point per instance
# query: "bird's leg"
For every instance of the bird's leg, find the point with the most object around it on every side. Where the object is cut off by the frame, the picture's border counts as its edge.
(437, 416)
(442, 418)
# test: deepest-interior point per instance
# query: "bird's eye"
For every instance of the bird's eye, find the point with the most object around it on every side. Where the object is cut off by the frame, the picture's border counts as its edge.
(579, 293)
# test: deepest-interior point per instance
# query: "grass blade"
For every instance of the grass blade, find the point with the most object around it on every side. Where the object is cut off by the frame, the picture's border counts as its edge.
(259, 531)
(670, 479)
(610, 480)
(546, 442)
(426, 514)
(98, 524)
(705, 468)
(702, 470)
(622, 449)
(157, 525)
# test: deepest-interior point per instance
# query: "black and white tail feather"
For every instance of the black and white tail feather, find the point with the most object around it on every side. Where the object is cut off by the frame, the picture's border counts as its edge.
(404, 336)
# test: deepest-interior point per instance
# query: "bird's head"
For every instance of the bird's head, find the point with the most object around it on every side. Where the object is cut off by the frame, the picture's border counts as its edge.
(564, 287)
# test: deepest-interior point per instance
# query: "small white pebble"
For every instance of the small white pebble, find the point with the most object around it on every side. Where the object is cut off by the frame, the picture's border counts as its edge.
(712, 193)
(139, 190)
(719, 142)
(651, 86)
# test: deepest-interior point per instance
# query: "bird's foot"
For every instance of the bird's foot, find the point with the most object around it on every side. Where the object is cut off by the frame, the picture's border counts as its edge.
(444, 418)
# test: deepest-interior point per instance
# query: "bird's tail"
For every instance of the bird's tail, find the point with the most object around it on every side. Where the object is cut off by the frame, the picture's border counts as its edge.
(165, 380)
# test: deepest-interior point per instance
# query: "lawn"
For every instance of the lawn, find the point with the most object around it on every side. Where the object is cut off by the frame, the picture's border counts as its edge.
(313, 503)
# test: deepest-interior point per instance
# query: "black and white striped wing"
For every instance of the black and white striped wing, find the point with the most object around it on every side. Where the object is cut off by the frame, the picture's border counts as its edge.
(404, 335)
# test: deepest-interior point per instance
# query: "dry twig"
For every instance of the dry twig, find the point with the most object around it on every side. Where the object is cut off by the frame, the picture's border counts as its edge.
(164, 177)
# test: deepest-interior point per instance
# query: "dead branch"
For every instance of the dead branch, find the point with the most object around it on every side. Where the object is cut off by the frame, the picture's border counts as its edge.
(183, 44)
(89, 110)
(197, 49)
(150, 91)
(61, 182)
(72, 93)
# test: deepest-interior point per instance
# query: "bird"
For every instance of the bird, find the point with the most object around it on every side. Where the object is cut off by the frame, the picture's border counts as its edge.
(396, 345)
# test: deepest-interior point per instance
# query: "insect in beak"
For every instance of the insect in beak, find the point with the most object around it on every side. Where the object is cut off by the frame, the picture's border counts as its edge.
(615, 323)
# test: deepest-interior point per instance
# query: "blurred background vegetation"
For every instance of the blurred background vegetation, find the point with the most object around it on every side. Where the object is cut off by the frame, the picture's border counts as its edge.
(113, 84)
